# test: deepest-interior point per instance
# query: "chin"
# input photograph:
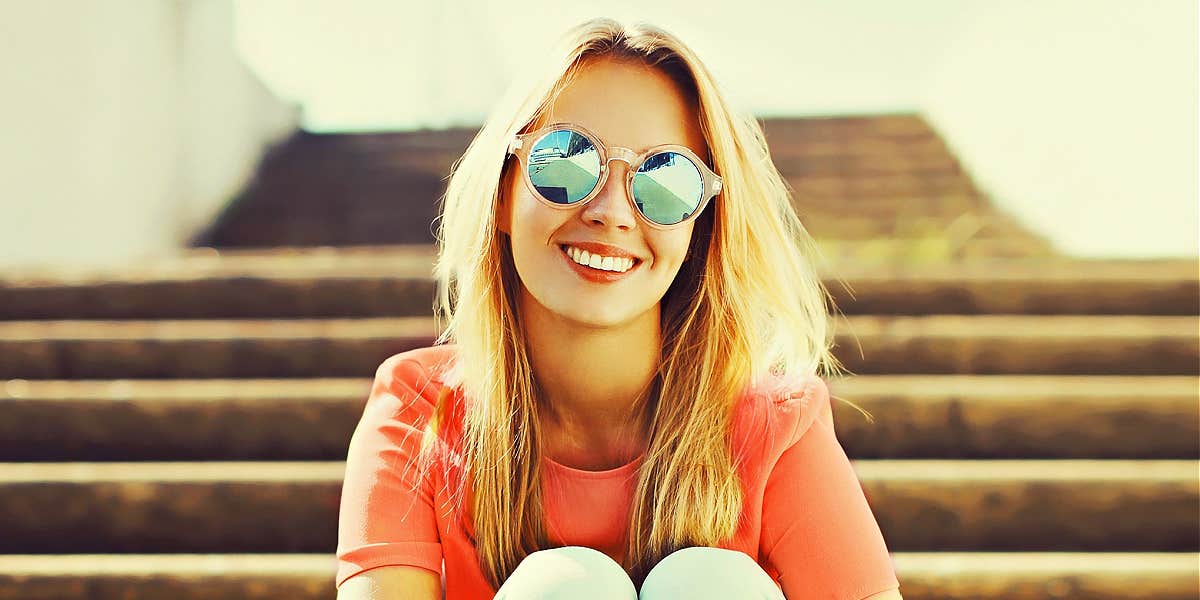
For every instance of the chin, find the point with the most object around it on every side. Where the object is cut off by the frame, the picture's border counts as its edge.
(598, 321)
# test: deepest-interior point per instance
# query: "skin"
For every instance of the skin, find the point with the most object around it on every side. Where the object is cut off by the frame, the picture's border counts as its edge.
(594, 347)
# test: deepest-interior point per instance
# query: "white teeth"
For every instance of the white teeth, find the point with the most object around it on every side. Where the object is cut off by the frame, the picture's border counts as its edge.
(595, 261)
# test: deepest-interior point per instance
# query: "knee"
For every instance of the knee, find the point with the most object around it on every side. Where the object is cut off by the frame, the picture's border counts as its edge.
(707, 572)
(574, 572)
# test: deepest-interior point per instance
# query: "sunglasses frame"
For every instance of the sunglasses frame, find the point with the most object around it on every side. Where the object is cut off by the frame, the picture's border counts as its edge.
(711, 182)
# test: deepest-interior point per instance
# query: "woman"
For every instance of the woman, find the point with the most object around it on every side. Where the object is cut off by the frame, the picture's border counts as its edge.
(624, 402)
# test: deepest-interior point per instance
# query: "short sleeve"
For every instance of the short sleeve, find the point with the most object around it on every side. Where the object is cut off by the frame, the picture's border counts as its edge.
(384, 519)
(819, 533)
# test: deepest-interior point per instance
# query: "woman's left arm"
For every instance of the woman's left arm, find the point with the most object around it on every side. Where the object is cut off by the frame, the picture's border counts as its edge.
(818, 530)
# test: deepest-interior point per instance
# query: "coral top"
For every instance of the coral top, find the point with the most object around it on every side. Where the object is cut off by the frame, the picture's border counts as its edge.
(805, 519)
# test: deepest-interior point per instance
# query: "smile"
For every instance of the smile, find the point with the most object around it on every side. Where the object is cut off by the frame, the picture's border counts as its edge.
(595, 261)
(607, 269)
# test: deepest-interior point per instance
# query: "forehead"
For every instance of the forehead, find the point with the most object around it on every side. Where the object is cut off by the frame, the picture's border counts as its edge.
(630, 105)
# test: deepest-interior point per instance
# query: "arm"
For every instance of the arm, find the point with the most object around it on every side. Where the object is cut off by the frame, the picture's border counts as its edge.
(386, 583)
(388, 536)
(818, 529)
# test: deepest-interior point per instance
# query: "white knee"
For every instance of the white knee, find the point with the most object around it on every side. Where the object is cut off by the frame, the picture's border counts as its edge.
(569, 572)
(705, 572)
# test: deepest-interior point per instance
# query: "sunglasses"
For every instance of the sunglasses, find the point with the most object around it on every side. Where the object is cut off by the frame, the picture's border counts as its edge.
(566, 165)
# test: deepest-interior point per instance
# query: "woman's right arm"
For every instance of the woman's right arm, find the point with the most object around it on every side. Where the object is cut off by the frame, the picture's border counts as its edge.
(389, 545)
(389, 583)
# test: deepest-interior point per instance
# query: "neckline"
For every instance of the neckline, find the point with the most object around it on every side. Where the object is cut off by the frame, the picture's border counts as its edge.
(608, 474)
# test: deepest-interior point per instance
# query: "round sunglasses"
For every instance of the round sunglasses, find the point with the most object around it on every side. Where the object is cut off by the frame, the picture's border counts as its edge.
(565, 166)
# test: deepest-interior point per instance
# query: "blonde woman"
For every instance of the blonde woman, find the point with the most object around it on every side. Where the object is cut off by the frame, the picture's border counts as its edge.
(624, 402)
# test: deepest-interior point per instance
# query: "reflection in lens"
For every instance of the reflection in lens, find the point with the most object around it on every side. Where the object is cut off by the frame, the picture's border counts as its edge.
(667, 188)
(564, 166)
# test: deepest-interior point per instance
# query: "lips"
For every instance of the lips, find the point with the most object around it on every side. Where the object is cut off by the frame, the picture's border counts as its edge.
(596, 275)
(604, 250)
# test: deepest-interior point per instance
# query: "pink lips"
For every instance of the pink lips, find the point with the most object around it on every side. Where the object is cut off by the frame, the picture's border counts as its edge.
(597, 275)
(601, 248)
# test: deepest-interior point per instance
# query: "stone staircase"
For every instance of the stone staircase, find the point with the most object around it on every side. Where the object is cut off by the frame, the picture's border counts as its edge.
(178, 430)
(878, 182)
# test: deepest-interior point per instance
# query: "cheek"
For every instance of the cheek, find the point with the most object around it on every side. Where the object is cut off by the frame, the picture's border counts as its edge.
(533, 224)
(531, 218)
(673, 246)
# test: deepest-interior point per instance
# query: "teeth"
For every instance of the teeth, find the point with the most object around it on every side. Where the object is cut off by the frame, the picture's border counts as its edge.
(595, 261)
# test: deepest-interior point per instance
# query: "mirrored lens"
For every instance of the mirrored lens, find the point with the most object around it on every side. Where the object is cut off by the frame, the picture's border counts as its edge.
(667, 188)
(564, 166)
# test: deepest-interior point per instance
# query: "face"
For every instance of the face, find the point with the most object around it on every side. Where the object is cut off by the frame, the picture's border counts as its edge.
(627, 105)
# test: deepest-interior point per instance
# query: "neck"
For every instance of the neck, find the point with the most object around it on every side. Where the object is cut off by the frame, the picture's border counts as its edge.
(591, 378)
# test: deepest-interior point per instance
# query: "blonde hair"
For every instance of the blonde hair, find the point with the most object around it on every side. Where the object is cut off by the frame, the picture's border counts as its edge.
(748, 305)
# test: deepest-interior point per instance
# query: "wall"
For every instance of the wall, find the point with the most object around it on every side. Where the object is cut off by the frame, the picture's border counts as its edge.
(127, 126)
(1080, 118)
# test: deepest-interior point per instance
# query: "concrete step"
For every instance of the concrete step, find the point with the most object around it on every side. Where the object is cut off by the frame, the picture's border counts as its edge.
(917, 206)
(1019, 344)
(397, 281)
(167, 576)
(921, 505)
(826, 223)
(848, 187)
(866, 344)
(847, 129)
(941, 416)
(1016, 505)
(1018, 416)
(948, 247)
(1016, 287)
(202, 283)
(922, 575)
(868, 160)
(1036, 575)
(205, 348)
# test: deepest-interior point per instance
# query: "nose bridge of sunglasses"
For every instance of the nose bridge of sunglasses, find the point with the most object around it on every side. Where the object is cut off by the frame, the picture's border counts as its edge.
(611, 178)
(622, 154)
(626, 156)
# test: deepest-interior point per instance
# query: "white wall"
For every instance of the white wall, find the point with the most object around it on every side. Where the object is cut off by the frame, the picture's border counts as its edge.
(378, 64)
(126, 126)
(1079, 116)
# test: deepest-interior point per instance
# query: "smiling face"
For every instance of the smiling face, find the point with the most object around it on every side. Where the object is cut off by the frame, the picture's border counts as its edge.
(624, 104)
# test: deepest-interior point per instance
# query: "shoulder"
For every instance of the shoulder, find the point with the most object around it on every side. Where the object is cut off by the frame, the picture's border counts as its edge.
(408, 385)
(807, 404)
(780, 409)
(418, 365)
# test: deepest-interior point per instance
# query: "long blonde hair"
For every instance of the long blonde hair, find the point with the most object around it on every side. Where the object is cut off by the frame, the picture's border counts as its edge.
(746, 306)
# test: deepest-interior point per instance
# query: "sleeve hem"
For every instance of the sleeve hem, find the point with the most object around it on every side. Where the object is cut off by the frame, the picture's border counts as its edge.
(427, 555)
(871, 591)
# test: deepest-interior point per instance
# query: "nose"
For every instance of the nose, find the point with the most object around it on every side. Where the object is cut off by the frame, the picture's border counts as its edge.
(612, 205)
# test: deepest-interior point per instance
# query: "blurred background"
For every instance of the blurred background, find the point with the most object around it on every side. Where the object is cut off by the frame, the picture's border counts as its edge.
(141, 129)
(216, 222)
